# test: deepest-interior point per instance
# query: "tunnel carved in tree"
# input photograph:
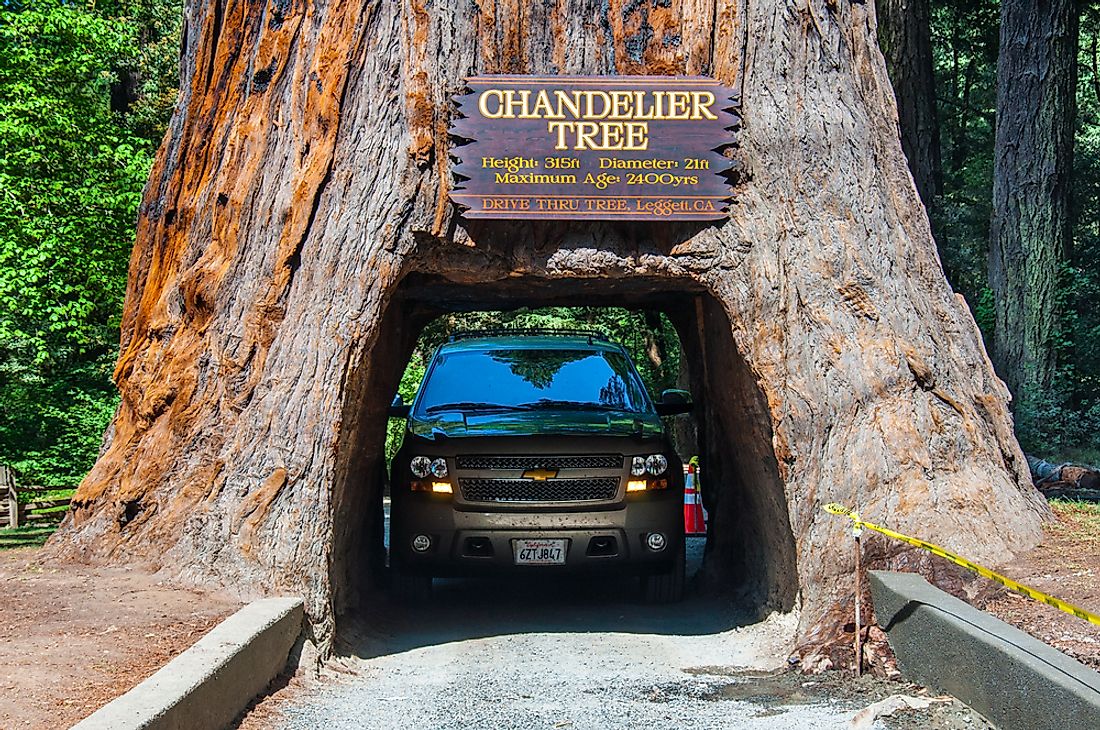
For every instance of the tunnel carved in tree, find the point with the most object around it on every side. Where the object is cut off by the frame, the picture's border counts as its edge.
(301, 192)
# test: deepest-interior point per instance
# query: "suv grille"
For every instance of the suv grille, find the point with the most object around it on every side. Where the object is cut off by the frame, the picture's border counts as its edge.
(527, 490)
(598, 461)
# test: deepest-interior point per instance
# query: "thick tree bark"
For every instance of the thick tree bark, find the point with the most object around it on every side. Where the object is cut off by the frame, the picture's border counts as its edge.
(1032, 164)
(299, 207)
(905, 35)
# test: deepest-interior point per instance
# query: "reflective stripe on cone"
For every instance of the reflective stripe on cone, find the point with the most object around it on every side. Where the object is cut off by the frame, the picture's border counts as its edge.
(694, 521)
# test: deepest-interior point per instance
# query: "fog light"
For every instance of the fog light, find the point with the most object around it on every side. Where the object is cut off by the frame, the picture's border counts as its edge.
(442, 488)
(421, 543)
(655, 541)
(636, 485)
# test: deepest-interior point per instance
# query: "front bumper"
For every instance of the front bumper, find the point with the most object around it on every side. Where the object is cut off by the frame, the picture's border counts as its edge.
(467, 542)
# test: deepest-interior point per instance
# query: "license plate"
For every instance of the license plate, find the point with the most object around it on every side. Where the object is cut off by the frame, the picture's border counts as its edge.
(540, 552)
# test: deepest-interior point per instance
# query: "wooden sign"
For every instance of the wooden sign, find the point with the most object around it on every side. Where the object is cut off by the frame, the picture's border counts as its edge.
(582, 147)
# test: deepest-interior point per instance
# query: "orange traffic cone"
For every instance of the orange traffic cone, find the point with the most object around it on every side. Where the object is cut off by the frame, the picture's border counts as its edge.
(694, 521)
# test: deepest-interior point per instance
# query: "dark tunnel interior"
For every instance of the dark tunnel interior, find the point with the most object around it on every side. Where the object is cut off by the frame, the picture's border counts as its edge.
(750, 551)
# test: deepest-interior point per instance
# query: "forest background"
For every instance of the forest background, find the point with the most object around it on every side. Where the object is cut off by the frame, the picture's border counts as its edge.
(86, 91)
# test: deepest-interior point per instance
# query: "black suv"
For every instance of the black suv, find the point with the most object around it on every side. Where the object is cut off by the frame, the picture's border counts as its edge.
(536, 451)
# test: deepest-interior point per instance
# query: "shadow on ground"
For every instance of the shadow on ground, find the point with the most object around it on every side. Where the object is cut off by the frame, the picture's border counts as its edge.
(476, 608)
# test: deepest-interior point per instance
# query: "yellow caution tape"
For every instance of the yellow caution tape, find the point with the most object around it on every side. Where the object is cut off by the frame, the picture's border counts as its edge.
(839, 509)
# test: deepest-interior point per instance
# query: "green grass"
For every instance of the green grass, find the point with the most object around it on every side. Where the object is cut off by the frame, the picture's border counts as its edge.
(29, 536)
(25, 497)
(1078, 519)
(36, 532)
(60, 509)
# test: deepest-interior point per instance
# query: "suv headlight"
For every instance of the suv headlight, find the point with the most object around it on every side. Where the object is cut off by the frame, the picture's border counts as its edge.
(637, 466)
(656, 464)
(420, 466)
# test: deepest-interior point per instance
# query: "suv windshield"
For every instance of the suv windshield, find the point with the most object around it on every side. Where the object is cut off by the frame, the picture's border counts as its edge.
(529, 379)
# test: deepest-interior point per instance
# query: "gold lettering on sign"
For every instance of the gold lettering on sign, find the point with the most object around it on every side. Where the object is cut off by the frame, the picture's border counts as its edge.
(599, 135)
(575, 119)
(486, 99)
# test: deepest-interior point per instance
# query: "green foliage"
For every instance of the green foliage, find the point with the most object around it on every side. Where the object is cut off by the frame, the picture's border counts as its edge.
(72, 171)
(26, 497)
(155, 67)
(72, 181)
(1049, 424)
(1077, 519)
(649, 337)
(1080, 351)
(52, 422)
(964, 44)
(410, 382)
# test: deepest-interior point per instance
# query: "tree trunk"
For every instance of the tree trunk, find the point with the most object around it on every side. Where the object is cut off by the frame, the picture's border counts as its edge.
(1032, 163)
(684, 433)
(296, 234)
(905, 35)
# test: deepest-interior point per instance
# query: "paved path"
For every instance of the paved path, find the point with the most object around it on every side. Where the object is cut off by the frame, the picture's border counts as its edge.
(573, 654)
(566, 654)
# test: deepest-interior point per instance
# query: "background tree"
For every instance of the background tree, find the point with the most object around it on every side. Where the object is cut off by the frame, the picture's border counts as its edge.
(1063, 422)
(905, 35)
(1030, 231)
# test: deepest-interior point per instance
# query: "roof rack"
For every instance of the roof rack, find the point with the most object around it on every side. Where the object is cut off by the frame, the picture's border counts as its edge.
(536, 331)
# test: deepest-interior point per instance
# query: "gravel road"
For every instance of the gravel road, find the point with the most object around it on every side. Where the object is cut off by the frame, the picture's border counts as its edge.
(568, 654)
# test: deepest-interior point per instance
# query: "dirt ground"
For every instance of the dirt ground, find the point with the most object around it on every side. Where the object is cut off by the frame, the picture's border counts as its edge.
(1066, 565)
(73, 637)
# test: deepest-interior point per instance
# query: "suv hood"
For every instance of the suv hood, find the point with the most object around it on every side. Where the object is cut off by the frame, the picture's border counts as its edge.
(457, 424)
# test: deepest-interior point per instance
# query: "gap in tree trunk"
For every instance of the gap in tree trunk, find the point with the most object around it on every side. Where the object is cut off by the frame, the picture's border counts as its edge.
(750, 550)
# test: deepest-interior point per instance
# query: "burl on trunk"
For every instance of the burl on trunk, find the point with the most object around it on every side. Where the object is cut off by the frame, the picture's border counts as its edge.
(304, 182)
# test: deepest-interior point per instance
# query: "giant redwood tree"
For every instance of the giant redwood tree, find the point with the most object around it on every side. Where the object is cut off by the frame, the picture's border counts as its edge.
(296, 232)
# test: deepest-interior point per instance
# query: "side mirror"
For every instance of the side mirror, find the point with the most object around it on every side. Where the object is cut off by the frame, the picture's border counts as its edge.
(674, 402)
(398, 409)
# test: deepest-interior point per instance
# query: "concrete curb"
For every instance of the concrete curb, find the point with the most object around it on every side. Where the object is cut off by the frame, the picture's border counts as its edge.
(208, 685)
(1013, 679)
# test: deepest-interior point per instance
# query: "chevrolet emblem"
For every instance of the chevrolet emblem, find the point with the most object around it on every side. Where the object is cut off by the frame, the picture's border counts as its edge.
(540, 475)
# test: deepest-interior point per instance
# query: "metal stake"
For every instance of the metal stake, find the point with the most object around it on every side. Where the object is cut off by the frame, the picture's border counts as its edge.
(857, 532)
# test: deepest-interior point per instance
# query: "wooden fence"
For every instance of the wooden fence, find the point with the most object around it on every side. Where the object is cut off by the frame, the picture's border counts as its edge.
(39, 510)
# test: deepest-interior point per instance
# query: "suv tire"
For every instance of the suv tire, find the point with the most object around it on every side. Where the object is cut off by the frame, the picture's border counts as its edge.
(409, 588)
(666, 587)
